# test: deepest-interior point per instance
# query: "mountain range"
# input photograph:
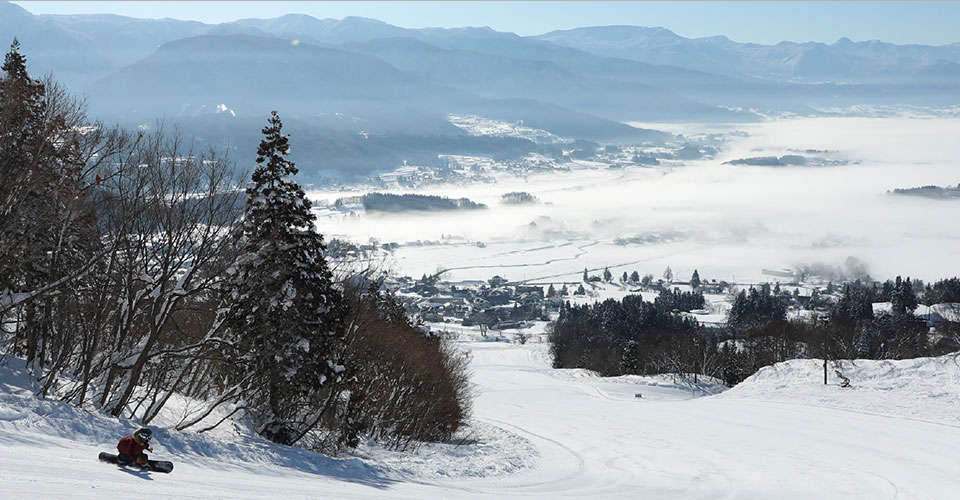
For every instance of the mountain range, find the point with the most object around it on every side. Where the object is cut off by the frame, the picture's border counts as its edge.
(335, 78)
(843, 61)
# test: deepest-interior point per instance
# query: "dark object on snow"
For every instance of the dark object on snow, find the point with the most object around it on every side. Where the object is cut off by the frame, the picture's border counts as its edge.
(152, 465)
(845, 382)
(132, 447)
(770, 161)
(143, 435)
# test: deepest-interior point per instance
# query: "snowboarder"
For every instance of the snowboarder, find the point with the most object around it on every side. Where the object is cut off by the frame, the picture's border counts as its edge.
(131, 453)
(131, 448)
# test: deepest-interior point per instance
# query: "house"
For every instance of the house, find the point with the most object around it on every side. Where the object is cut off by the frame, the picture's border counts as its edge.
(882, 308)
(462, 293)
(428, 313)
(497, 281)
(530, 298)
(553, 303)
(938, 313)
(710, 288)
(424, 289)
(535, 290)
(948, 311)
(499, 296)
(439, 300)
(779, 273)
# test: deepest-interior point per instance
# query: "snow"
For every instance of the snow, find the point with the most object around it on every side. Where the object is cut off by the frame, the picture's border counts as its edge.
(925, 389)
(476, 125)
(949, 311)
(726, 221)
(882, 308)
(222, 108)
(543, 433)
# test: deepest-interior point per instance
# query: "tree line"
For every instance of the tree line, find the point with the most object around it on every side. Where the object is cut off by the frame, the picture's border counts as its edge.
(388, 202)
(636, 337)
(134, 271)
(616, 337)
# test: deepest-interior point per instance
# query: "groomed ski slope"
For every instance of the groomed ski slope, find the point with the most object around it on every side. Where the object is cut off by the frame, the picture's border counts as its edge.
(543, 433)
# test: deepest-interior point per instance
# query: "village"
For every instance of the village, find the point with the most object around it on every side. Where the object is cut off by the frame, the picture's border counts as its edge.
(502, 310)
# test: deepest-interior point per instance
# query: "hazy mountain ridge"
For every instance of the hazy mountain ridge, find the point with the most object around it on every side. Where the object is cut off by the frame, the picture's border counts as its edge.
(479, 44)
(622, 94)
(844, 60)
(505, 65)
(316, 86)
(362, 75)
(324, 31)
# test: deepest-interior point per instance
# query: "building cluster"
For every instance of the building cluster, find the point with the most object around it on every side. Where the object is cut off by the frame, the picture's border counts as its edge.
(495, 304)
(499, 305)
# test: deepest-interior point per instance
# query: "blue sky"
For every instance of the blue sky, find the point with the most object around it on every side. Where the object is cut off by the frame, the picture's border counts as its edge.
(932, 23)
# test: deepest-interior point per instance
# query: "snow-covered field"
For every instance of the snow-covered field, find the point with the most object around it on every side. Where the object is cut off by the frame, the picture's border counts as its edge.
(727, 221)
(544, 433)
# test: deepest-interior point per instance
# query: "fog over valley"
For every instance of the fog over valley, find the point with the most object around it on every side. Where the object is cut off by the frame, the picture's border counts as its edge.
(730, 220)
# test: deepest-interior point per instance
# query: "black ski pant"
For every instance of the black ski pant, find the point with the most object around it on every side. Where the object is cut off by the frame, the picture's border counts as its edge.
(124, 459)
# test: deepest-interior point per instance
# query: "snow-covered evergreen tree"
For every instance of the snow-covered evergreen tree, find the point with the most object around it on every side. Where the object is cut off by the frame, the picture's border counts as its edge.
(285, 310)
(46, 225)
(24, 190)
(814, 299)
(903, 299)
(695, 280)
(630, 361)
(738, 309)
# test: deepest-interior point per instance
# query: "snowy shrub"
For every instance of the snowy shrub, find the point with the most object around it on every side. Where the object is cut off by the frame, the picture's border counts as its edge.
(406, 386)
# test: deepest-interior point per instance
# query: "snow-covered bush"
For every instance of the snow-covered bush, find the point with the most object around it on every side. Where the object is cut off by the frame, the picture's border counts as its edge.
(407, 386)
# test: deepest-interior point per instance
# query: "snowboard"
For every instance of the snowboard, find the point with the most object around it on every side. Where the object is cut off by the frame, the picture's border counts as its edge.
(152, 465)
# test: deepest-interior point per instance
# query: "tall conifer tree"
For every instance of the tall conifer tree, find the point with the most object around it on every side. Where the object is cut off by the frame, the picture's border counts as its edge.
(25, 190)
(285, 309)
(695, 280)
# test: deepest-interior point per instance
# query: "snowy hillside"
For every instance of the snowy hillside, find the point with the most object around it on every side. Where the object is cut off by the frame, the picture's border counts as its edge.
(544, 433)
(476, 125)
(492, 451)
(922, 388)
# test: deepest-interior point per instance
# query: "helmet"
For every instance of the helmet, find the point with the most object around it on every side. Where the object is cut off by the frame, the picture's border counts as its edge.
(143, 435)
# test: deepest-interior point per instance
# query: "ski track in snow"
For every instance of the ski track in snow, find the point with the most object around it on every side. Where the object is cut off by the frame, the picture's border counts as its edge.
(581, 251)
(565, 434)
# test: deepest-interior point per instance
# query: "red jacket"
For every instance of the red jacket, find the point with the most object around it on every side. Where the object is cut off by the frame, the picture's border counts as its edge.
(130, 447)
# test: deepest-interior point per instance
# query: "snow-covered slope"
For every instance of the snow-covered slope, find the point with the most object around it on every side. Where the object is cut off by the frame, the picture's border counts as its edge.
(923, 388)
(543, 433)
(482, 450)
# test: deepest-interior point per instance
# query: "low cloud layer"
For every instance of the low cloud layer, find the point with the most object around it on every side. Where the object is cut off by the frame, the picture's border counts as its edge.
(727, 214)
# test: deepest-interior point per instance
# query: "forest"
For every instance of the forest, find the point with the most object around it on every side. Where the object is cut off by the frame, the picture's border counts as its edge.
(633, 336)
(135, 270)
(387, 202)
